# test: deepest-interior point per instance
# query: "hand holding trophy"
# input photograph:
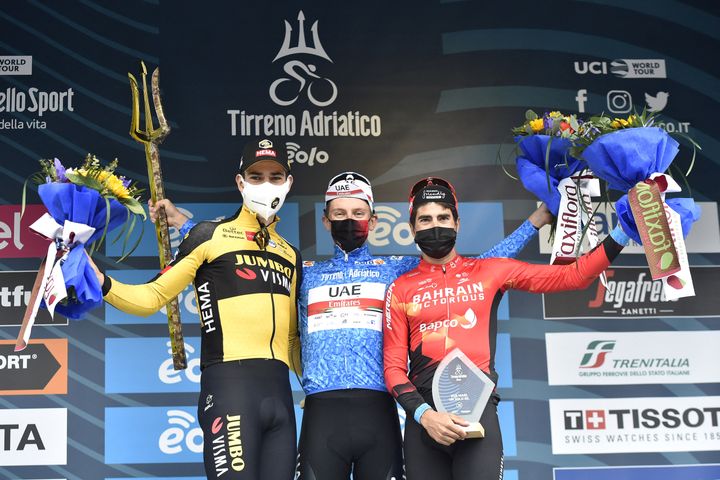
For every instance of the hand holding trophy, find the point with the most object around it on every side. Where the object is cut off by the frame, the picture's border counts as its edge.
(461, 388)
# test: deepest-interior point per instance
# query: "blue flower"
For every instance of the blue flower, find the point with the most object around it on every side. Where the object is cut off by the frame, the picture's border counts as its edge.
(60, 172)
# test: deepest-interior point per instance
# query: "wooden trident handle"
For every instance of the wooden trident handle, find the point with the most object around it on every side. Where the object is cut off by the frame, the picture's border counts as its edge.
(152, 137)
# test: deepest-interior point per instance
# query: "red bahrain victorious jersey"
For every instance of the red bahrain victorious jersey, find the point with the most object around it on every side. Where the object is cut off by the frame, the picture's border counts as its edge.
(437, 308)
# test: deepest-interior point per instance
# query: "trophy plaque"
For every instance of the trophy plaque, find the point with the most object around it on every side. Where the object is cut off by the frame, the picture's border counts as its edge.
(460, 387)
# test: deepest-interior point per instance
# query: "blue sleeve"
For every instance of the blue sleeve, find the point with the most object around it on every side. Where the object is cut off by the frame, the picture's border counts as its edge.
(511, 246)
(189, 224)
(405, 263)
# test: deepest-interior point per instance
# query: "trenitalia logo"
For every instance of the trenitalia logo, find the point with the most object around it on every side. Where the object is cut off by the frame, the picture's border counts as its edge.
(624, 358)
(596, 353)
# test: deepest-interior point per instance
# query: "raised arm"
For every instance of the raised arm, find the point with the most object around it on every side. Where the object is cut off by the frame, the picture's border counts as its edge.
(556, 278)
(513, 244)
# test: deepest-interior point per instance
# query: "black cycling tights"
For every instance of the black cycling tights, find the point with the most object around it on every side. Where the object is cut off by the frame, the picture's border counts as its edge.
(248, 421)
(350, 430)
(473, 458)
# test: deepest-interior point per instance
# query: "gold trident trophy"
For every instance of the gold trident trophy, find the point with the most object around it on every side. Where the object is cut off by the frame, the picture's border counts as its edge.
(151, 138)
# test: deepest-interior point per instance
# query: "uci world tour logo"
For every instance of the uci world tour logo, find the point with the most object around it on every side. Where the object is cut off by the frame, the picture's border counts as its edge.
(597, 350)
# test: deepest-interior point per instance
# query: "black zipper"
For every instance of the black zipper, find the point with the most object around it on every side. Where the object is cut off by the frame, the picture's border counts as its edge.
(272, 301)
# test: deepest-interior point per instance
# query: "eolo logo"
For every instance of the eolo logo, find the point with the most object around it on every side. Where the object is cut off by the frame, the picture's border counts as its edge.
(596, 352)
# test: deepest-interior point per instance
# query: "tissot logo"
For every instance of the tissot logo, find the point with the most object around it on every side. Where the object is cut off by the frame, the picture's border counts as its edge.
(623, 425)
(636, 418)
(596, 353)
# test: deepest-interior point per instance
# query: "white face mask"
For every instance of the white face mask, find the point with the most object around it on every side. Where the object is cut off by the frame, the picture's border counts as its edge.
(265, 199)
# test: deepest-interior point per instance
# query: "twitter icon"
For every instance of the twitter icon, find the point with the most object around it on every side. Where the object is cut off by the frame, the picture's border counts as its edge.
(658, 102)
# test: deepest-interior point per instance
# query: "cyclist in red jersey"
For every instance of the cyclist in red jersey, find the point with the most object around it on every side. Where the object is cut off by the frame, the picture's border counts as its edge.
(451, 302)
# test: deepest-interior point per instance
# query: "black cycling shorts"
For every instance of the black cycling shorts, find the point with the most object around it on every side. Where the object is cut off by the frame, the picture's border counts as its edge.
(472, 458)
(247, 417)
(347, 431)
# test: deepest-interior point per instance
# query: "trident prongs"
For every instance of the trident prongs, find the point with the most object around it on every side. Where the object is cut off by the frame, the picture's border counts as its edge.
(150, 134)
(150, 138)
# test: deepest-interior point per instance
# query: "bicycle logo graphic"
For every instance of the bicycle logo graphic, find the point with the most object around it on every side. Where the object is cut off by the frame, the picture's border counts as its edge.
(302, 76)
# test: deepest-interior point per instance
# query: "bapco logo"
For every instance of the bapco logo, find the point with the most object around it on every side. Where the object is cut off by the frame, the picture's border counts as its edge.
(389, 227)
(321, 91)
(596, 352)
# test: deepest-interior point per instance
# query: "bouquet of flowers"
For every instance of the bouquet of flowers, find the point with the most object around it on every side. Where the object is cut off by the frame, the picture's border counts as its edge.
(633, 156)
(83, 204)
(548, 169)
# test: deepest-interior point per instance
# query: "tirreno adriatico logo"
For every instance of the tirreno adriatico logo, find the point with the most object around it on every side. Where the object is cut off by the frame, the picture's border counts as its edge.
(303, 82)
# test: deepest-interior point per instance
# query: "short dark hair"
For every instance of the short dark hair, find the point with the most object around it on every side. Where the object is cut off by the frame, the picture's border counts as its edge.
(413, 213)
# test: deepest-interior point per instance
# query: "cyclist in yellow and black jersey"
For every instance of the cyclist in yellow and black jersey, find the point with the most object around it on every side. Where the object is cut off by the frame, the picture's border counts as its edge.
(246, 278)
(246, 295)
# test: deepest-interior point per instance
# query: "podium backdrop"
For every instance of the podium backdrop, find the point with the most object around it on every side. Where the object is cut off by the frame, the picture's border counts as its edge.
(611, 383)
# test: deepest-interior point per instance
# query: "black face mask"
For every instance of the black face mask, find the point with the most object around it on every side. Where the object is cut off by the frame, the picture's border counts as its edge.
(349, 234)
(436, 242)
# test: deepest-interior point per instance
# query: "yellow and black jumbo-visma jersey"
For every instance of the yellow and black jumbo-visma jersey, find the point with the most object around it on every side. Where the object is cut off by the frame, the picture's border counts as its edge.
(246, 296)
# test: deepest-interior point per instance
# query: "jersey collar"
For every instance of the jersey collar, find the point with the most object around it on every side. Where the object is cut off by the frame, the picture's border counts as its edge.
(359, 254)
(450, 266)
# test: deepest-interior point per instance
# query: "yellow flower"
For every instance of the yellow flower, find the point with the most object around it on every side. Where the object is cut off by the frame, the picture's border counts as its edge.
(631, 119)
(536, 125)
(114, 185)
(555, 114)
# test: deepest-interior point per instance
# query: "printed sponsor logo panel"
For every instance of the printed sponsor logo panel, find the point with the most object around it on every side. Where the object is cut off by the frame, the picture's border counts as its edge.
(288, 227)
(15, 291)
(144, 365)
(40, 369)
(16, 238)
(634, 425)
(152, 435)
(33, 436)
(15, 65)
(482, 229)
(631, 293)
(630, 358)
(641, 472)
